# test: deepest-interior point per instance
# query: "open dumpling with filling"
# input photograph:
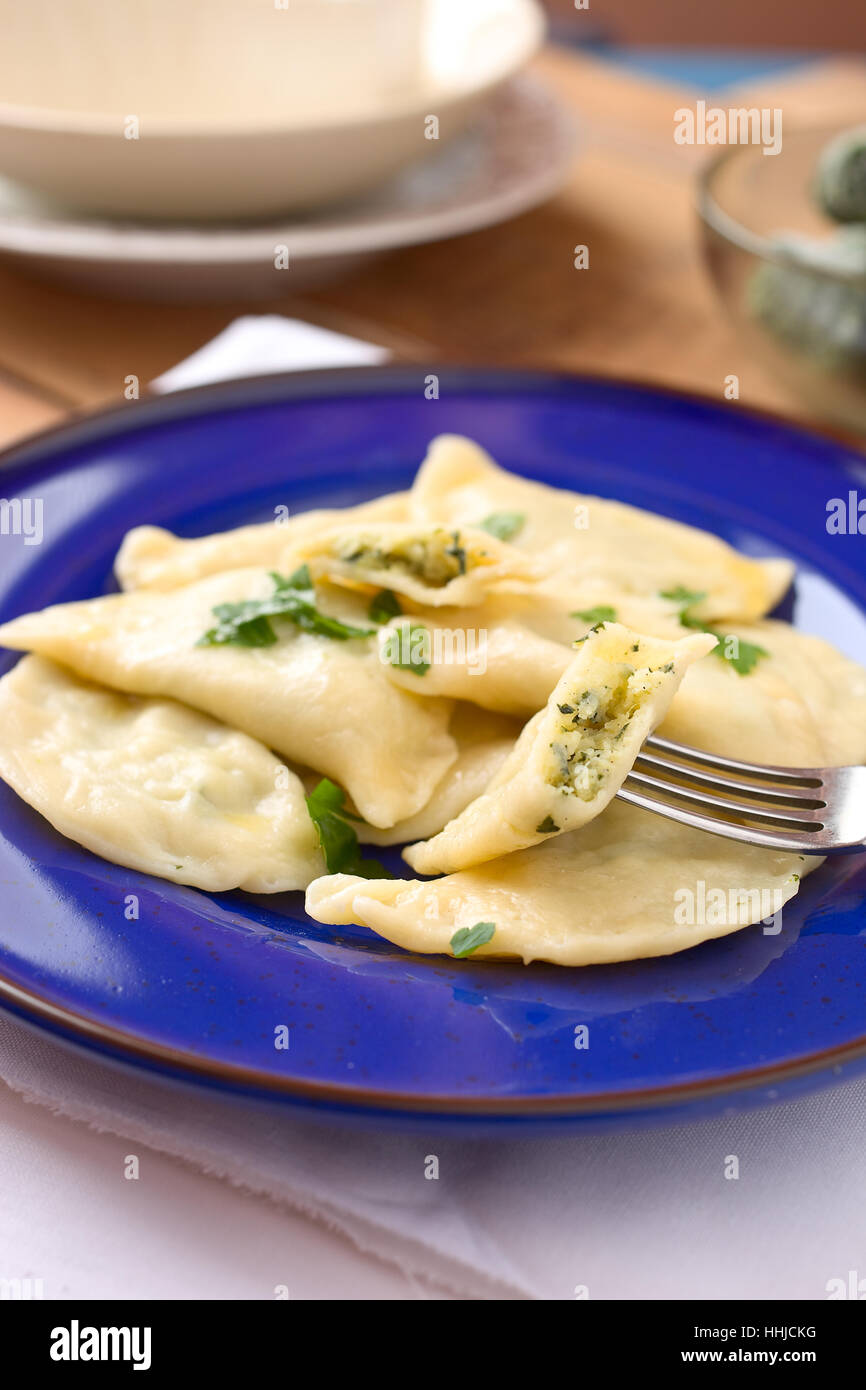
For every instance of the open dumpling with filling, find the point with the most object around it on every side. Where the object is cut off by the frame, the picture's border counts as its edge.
(428, 564)
(152, 558)
(573, 756)
(153, 785)
(802, 702)
(311, 694)
(590, 545)
(629, 884)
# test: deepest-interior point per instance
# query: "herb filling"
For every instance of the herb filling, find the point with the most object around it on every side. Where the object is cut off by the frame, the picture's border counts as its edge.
(593, 721)
(436, 557)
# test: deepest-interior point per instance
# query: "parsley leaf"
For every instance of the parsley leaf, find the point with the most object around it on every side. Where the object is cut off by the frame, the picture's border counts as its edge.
(248, 624)
(458, 552)
(300, 579)
(307, 616)
(742, 655)
(243, 632)
(548, 825)
(602, 613)
(503, 525)
(384, 606)
(468, 939)
(689, 620)
(407, 647)
(338, 840)
(686, 597)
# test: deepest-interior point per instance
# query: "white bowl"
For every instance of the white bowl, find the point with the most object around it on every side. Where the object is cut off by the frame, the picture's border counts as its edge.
(516, 154)
(225, 109)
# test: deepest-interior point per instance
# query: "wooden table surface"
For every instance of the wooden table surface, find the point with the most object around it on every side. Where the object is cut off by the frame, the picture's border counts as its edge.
(508, 295)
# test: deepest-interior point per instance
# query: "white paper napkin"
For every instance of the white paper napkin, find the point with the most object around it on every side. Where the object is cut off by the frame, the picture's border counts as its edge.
(268, 343)
(624, 1215)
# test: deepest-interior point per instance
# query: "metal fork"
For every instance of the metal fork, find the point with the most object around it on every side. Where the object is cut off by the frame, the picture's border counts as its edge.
(811, 810)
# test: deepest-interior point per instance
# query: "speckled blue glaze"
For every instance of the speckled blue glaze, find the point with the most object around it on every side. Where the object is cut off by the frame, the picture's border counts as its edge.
(197, 985)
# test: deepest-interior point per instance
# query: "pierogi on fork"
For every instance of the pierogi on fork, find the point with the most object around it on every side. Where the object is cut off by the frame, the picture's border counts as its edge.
(468, 670)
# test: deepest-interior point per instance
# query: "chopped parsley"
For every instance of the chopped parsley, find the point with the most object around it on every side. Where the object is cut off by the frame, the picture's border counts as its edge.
(602, 613)
(384, 606)
(337, 838)
(248, 624)
(548, 826)
(742, 655)
(686, 598)
(408, 647)
(503, 525)
(237, 629)
(299, 579)
(696, 624)
(458, 553)
(563, 761)
(468, 939)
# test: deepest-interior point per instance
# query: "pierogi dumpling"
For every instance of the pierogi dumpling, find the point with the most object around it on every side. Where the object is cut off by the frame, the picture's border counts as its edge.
(428, 564)
(616, 890)
(492, 662)
(592, 547)
(154, 786)
(802, 705)
(484, 741)
(565, 616)
(153, 558)
(326, 703)
(574, 755)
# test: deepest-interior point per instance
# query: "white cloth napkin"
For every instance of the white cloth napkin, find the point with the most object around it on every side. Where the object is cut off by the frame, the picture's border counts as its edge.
(625, 1215)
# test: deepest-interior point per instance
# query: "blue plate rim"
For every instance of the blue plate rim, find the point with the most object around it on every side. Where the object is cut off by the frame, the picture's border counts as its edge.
(186, 1066)
(83, 427)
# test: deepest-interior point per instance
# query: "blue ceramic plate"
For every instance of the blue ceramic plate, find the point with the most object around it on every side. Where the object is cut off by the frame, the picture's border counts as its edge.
(197, 985)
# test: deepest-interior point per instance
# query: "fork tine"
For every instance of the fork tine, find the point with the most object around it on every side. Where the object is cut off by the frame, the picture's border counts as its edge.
(799, 776)
(792, 795)
(752, 835)
(806, 820)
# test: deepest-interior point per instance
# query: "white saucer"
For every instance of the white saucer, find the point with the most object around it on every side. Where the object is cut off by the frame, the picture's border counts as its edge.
(513, 158)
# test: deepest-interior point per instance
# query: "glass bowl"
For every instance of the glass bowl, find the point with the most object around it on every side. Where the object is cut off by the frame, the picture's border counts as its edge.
(793, 280)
